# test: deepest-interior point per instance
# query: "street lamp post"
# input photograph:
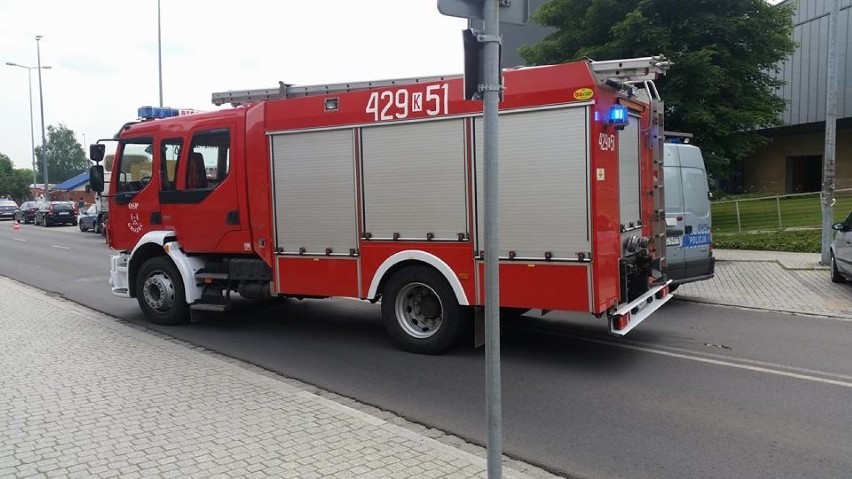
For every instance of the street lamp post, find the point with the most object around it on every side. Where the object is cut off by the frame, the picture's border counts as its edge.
(43, 137)
(32, 134)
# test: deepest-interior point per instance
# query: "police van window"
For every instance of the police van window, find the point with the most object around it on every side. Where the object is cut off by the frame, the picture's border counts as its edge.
(208, 162)
(169, 154)
(673, 189)
(695, 192)
(135, 165)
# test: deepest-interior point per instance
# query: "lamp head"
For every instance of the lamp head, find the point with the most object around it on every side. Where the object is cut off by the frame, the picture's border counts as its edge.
(38, 37)
(11, 64)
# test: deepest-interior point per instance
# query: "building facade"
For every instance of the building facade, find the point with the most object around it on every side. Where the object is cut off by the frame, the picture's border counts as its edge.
(792, 161)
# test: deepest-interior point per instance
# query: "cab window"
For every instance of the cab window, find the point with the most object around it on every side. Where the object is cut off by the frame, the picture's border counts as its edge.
(208, 161)
(134, 165)
(169, 154)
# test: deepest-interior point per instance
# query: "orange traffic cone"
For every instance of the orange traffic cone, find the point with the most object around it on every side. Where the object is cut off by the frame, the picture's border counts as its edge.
(17, 225)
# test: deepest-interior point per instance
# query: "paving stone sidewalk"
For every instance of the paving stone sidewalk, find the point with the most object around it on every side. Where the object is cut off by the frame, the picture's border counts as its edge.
(771, 280)
(86, 395)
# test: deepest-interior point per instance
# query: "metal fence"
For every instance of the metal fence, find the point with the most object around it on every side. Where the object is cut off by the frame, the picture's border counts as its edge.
(797, 211)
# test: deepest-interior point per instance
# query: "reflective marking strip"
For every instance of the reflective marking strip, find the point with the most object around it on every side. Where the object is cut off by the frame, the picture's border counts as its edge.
(60, 247)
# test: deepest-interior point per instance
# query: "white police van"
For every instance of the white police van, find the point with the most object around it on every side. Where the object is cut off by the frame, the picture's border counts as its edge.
(689, 249)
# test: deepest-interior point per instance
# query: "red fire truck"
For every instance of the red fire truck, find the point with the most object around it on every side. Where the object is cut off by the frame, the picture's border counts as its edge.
(373, 190)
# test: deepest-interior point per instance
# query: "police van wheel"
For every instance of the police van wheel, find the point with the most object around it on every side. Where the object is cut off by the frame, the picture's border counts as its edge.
(420, 311)
(160, 292)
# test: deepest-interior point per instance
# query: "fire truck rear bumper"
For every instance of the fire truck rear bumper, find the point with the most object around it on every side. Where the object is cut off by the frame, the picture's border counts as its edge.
(118, 275)
(630, 315)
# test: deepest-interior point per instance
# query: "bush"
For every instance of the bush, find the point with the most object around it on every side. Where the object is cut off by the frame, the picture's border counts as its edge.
(800, 241)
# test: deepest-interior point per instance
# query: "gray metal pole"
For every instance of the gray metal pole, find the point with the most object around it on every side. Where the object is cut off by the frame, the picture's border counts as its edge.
(32, 134)
(160, 52)
(491, 97)
(43, 137)
(828, 161)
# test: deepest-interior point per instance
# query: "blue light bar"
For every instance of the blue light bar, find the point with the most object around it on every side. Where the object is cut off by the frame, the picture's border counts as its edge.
(618, 115)
(154, 112)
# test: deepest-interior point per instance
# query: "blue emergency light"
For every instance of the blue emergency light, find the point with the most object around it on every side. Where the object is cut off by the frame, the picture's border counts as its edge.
(154, 112)
(618, 116)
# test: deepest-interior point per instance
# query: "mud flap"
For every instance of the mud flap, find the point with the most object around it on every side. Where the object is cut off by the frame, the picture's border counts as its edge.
(627, 317)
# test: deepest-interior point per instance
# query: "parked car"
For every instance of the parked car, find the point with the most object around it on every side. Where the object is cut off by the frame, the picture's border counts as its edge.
(56, 212)
(88, 219)
(7, 209)
(26, 212)
(841, 251)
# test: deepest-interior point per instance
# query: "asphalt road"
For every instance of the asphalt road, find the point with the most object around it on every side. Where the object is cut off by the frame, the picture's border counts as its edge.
(695, 391)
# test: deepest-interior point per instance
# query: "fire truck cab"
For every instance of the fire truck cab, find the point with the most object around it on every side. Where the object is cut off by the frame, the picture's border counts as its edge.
(373, 190)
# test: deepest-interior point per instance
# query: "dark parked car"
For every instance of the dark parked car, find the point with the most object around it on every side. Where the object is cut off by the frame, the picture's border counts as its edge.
(7, 209)
(841, 251)
(88, 219)
(26, 213)
(56, 212)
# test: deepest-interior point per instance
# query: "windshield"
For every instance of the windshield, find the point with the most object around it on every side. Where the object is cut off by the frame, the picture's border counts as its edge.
(134, 165)
(8, 203)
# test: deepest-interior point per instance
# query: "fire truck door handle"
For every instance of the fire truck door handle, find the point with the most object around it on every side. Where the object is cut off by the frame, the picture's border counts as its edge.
(233, 217)
(156, 218)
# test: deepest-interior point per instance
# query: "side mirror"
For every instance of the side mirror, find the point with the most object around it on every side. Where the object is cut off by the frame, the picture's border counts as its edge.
(96, 176)
(838, 227)
(96, 152)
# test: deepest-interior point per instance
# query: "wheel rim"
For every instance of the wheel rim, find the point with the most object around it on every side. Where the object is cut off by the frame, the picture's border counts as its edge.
(158, 290)
(419, 310)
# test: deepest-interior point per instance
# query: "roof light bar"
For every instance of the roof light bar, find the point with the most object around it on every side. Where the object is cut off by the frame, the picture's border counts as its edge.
(154, 112)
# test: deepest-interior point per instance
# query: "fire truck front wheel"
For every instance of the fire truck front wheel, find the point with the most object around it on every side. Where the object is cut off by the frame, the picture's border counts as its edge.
(420, 311)
(160, 292)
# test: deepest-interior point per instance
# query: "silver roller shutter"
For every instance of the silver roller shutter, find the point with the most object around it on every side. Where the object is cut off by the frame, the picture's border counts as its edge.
(628, 174)
(543, 183)
(314, 184)
(414, 180)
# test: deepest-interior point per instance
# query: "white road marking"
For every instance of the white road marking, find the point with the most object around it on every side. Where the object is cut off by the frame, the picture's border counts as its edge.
(22, 240)
(730, 364)
(60, 247)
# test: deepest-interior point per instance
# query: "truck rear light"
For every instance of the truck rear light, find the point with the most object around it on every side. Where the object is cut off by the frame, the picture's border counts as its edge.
(621, 321)
(663, 292)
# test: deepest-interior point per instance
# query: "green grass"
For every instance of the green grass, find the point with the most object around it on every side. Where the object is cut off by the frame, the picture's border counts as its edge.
(801, 241)
(761, 215)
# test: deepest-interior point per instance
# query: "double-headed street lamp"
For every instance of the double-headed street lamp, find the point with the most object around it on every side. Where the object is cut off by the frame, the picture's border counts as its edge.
(32, 135)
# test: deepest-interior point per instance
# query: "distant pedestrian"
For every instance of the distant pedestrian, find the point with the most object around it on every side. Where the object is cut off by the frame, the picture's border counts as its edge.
(81, 203)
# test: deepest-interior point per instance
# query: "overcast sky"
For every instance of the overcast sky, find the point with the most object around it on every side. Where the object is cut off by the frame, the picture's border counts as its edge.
(104, 54)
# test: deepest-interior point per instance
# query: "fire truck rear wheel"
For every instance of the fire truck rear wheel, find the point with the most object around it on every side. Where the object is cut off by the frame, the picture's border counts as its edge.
(160, 292)
(420, 311)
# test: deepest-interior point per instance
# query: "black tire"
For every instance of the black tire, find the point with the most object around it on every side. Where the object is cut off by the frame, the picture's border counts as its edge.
(836, 277)
(83, 228)
(160, 292)
(420, 311)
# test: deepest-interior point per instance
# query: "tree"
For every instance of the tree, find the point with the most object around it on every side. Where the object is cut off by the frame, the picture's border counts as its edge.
(720, 88)
(14, 183)
(66, 157)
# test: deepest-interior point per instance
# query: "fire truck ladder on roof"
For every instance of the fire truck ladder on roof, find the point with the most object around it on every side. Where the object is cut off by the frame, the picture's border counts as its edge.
(631, 69)
(285, 90)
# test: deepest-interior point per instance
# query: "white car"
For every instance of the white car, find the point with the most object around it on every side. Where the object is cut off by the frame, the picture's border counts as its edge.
(841, 251)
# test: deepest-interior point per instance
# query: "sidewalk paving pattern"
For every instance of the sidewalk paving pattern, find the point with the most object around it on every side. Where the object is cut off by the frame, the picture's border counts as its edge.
(86, 395)
(775, 281)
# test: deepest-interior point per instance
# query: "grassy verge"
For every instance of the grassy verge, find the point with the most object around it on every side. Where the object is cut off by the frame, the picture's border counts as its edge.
(801, 241)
